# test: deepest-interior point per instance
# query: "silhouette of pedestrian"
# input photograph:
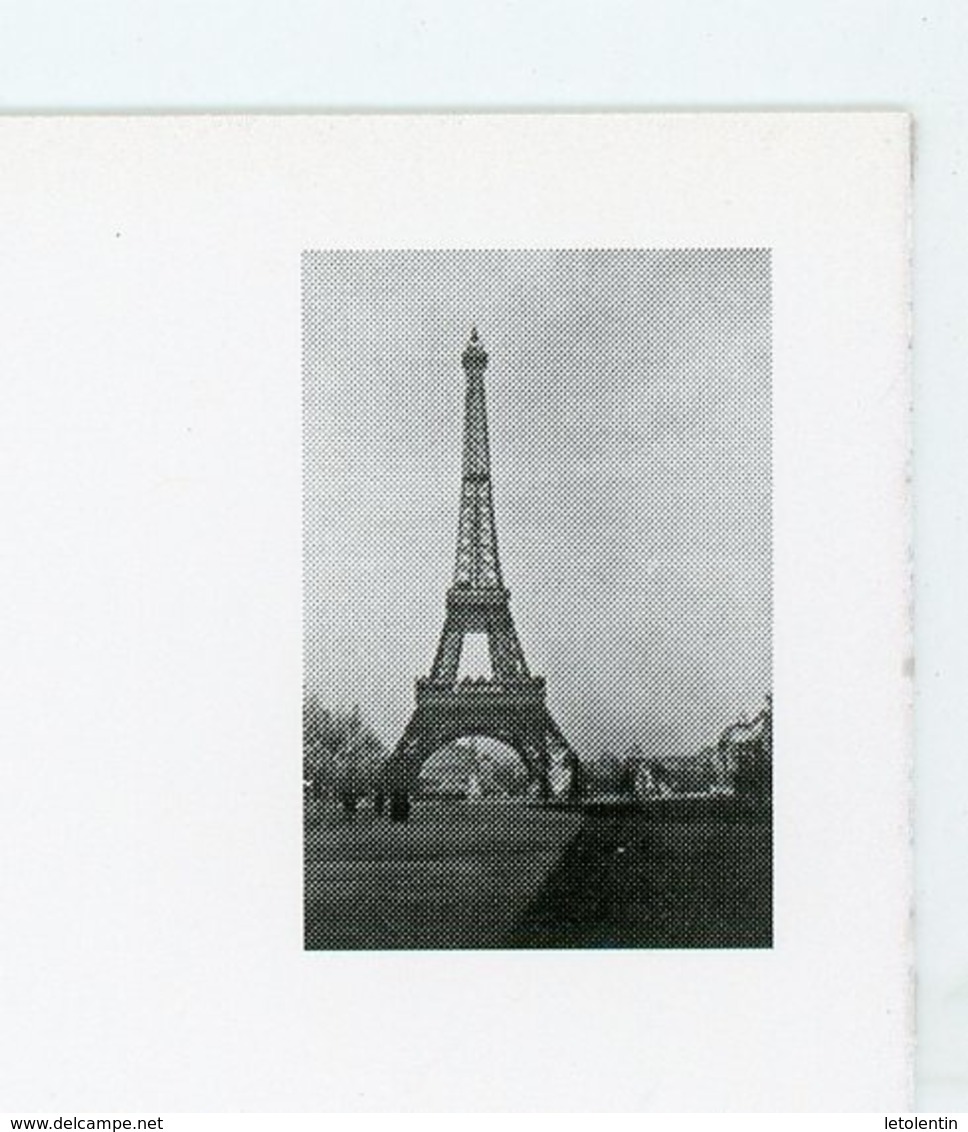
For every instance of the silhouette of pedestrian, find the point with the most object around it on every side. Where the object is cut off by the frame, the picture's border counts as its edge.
(399, 806)
(349, 800)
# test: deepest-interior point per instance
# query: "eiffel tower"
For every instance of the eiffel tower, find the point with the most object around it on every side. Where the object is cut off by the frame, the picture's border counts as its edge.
(509, 705)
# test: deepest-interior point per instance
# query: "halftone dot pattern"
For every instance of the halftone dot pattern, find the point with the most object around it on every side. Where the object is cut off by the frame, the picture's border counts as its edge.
(602, 778)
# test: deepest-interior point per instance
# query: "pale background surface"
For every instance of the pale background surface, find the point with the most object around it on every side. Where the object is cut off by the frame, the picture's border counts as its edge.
(115, 55)
(151, 440)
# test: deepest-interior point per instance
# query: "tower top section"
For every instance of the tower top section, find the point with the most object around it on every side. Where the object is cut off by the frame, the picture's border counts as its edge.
(474, 357)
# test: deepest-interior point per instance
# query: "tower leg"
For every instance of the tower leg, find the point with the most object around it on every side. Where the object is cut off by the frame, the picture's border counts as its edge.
(542, 767)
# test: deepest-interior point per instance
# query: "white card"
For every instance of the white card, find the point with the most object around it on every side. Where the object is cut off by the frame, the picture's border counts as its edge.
(697, 393)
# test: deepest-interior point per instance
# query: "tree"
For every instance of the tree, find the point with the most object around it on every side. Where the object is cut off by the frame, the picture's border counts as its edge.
(746, 753)
(341, 753)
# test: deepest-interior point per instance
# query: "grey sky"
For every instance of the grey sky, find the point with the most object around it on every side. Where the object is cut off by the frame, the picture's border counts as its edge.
(629, 407)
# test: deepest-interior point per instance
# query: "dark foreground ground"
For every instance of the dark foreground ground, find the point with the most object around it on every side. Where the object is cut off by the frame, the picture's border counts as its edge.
(673, 874)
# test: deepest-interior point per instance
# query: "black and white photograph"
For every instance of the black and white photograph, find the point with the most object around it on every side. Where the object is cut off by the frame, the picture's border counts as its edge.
(587, 763)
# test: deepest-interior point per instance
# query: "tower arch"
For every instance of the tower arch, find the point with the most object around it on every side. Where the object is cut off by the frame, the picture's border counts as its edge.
(474, 766)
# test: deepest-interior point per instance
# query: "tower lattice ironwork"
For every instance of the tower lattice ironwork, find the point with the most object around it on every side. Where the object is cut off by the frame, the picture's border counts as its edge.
(508, 705)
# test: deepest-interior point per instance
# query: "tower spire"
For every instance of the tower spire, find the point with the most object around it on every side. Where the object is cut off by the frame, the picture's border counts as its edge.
(477, 565)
